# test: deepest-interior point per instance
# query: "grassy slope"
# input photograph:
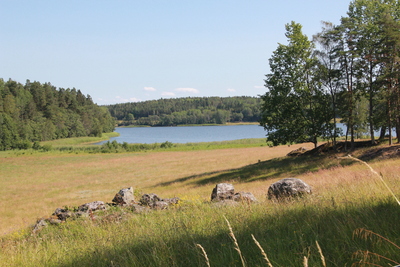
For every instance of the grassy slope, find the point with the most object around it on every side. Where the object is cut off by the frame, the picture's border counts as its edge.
(346, 197)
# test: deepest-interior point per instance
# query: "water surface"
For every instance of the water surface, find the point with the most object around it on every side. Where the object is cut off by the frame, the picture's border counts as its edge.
(189, 134)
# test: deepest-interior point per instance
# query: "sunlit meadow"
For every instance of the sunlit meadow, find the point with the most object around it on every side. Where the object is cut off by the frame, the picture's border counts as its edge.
(346, 197)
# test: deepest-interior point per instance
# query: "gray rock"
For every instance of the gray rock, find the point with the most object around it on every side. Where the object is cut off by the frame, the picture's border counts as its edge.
(222, 191)
(174, 200)
(40, 224)
(92, 206)
(54, 221)
(160, 205)
(124, 197)
(149, 199)
(139, 209)
(244, 196)
(62, 214)
(297, 152)
(288, 188)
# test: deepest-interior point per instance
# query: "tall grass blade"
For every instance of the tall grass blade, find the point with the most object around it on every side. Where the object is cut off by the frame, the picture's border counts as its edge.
(237, 248)
(204, 254)
(364, 233)
(321, 255)
(305, 261)
(373, 171)
(262, 251)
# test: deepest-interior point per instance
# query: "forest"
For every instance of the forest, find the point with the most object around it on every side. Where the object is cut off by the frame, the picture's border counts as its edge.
(349, 71)
(189, 110)
(37, 112)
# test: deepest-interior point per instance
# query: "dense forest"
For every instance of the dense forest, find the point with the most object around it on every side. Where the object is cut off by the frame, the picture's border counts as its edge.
(40, 112)
(351, 71)
(190, 110)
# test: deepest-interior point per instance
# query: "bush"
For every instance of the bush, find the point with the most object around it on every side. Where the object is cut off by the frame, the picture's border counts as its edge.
(166, 144)
(24, 144)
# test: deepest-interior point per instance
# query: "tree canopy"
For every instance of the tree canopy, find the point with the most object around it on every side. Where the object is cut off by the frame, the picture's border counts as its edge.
(40, 112)
(189, 110)
(348, 71)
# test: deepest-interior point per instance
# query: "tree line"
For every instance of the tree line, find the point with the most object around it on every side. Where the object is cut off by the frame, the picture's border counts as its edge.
(349, 71)
(39, 112)
(189, 110)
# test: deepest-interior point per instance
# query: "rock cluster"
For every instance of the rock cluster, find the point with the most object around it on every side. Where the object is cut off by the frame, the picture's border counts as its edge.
(124, 198)
(226, 192)
(223, 193)
(297, 152)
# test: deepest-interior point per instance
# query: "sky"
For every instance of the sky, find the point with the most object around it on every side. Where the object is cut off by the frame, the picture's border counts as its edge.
(128, 51)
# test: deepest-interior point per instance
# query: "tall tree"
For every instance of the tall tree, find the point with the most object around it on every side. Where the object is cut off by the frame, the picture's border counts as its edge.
(295, 108)
(390, 70)
(329, 67)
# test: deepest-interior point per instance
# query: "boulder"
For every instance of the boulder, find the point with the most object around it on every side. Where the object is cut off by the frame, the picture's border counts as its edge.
(139, 209)
(222, 191)
(149, 199)
(244, 196)
(297, 152)
(92, 206)
(62, 214)
(174, 200)
(288, 188)
(40, 224)
(160, 205)
(124, 197)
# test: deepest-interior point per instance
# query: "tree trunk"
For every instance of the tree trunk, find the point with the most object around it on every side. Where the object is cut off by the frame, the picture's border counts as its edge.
(383, 132)
(371, 105)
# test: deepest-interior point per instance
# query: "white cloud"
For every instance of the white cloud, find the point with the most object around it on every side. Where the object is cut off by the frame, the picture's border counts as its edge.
(168, 94)
(258, 86)
(151, 89)
(187, 90)
(231, 90)
(124, 100)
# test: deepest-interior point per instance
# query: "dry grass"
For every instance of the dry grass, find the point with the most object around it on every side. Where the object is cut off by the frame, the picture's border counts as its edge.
(33, 186)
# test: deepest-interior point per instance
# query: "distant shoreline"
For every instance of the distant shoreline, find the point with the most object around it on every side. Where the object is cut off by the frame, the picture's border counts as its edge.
(189, 125)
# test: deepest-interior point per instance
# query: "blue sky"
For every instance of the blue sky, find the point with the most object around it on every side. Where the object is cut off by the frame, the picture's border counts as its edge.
(126, 51)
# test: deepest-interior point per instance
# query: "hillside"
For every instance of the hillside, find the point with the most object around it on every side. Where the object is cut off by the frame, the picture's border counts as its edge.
(37, 112)
(348, 202)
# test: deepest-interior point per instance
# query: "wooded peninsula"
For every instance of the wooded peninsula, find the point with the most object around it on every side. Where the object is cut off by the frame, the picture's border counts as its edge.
(188, 110)
(37, 112)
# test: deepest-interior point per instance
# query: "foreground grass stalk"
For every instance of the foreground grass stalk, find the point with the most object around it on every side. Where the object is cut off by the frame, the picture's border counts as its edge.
(262, 251)
(320, 253)
(373, 171)
(364, 233)
(367, 234)
(237, 248)
(204, 254)
(305, 261)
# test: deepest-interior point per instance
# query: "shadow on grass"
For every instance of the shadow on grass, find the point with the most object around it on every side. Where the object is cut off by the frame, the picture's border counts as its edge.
(270, 169)
(285, 236)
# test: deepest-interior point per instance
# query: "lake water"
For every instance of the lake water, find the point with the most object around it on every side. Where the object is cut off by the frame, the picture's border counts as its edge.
(190, 134)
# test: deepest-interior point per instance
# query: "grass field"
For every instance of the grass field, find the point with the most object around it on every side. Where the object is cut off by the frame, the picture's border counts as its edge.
(347, 196)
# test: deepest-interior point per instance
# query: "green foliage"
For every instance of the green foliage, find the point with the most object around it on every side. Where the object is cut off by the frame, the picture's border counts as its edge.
(166, 144)
(354, 76)
(41, 112)
(295, 108)
(197, 110)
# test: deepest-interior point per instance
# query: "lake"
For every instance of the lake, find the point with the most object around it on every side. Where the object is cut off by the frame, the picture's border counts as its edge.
(192, 134)
(189, 134)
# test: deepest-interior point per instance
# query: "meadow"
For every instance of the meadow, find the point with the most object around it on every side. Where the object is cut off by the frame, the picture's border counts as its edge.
(351, 214)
